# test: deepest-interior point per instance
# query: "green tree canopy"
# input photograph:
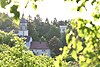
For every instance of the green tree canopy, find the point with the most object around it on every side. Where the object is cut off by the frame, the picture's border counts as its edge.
(54, 31)
(55, 44)
(6, 22)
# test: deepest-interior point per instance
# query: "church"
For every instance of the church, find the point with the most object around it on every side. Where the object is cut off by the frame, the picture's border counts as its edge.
(38, 48)
(23, 32)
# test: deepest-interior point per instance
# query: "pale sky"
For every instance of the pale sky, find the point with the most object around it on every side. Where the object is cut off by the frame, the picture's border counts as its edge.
(57, 8)
(52, 8)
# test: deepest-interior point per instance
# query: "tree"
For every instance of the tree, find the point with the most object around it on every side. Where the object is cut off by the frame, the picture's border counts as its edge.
(47, 21)
(9, 38)
(55, 22)
(55, 44)
(32, 29)
(43, 39)
(6, 22)
(37, 20)
(63, 39)
(19, 56)
(79, 34)
(61, 22)
(54, 31)
(35, 35)
(43, 29)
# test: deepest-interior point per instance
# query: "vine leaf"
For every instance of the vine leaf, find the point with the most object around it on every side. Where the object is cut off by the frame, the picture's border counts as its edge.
(13, 9)
(3, 3)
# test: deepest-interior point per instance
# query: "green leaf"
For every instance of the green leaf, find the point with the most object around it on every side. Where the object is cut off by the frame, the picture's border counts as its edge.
(35, 0)
(98, 35)
(88, 60)
(3, 3)
(93, 1)
(79, 46)
(77, 1)
(98, 65)
(74, 55)
(74, 42)
(81, 58)
(13, 9)
(67, 38)
(34, 6)
(78, 8)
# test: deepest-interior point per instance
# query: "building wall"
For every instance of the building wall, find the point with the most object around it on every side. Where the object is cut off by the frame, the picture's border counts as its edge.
(28, 44)
(23, 26)
(23, 33)
(63, 29)
(42, 52)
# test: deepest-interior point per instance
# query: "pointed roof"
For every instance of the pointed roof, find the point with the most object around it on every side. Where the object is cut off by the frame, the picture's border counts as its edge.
(23, 20)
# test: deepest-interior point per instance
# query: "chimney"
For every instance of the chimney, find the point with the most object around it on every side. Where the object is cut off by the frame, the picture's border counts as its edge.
(40, 41)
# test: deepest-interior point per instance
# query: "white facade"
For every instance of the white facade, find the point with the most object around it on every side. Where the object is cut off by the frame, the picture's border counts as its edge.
(23, 33)
(42, 52)
(63, 29)
(21, 24)
(23, 28)
(28, 44)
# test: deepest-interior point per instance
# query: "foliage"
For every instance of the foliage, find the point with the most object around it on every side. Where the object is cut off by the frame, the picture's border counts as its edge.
(41, 27)
(83, 38)
(54, 31)
(19, 56)
(16, 4)
(13, 9)
(43, 39)
(55, 44)
(6, 22)
(3, 3)
(55, 22)
(83, 42)
(63, 39)
(8, 38)
(37, 29)
(35, 35)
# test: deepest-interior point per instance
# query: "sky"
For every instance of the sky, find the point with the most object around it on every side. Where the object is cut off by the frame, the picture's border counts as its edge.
(51, 9)
(60, 9)
(46, 9)
(56, 9)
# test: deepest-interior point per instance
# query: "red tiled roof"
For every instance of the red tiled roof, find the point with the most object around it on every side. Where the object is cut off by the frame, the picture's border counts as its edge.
(39, 45)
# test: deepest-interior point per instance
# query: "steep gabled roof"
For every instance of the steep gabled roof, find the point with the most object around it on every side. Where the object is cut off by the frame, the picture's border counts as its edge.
(39, 45)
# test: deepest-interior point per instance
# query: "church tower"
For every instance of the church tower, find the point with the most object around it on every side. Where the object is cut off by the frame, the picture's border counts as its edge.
(23, 27)
(23, 32)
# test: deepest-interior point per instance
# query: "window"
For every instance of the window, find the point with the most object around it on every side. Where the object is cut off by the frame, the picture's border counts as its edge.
(43, 50)
(37, 52)
(63, 30)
